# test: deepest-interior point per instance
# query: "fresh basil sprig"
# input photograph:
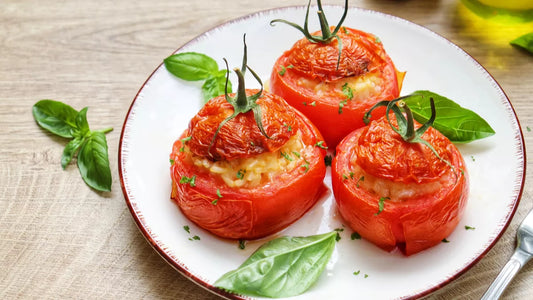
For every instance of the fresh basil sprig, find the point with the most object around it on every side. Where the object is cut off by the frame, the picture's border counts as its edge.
(525, 42)
(283, 267)
(457, 123)
(91, 146)
(193, 66)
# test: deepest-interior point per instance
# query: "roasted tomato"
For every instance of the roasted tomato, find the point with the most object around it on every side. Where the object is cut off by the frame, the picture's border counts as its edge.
(397, 194)
(334, 93)
(245, 185)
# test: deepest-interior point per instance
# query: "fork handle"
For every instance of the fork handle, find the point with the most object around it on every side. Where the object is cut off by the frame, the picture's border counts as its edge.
(515, 263)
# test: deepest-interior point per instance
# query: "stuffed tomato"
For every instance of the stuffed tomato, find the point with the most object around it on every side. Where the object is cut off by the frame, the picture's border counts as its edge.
(248, 165)
(334, 83)
(398, 194)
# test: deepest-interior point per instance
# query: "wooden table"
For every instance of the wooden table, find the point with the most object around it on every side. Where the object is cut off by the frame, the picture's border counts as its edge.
(59, 238)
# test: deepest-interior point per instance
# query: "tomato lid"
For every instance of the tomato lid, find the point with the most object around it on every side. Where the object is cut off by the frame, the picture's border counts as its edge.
(240, 137)
(361, 53)
(383, 153)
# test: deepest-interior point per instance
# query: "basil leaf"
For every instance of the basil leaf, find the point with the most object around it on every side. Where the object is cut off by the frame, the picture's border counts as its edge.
(81, 123)
(56, 117)
(458, 124)
(215, 86)
(525, 42)
(93, 162)
(70, 150)
(283, 267)
(191, 66)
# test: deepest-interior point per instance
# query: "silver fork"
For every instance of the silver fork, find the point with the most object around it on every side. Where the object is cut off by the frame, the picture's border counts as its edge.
(522, 254)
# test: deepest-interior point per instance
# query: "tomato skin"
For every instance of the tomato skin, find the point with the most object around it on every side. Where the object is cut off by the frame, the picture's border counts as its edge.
(411, 225)
(362, 54)
(250, 213)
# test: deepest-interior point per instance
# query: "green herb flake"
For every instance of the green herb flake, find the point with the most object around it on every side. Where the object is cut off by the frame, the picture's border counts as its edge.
(305, 165)
(304, 103)
(328, 159)
(188, 180)
(289, 127)
(321, 145)
(355, 236)
(282, 71)
(381, 205)
(528, 129)
(183, 142)
(359, 181)
(240, 173)
(286, 156)
(242, 244)
(347, 91)
(341, 105)
(366, 276)
(214, 202)
(470, 228)
(351, 174)
(338, 231)
(345, 30)
(187, 228)
(219, 195)
(297, 154)
(357, 272)
(445, 241)
(345, 177)
(473, 158)
(377, 40)
(171, 162)
(194, 238)
(313, 103)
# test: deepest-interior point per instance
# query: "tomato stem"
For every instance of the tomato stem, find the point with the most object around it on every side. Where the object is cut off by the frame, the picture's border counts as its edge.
(327, 34)
(241, 102)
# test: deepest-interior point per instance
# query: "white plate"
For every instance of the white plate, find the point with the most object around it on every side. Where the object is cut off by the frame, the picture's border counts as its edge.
(165, 104)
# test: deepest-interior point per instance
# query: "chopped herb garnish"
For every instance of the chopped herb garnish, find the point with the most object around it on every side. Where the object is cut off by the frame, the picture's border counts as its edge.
(240, 173)
(351, 174)
(445, 241)
(187, 180)
(378, 40)
(327, 160)
(171, 162)
(341, 105)
(528, 129)
(357, 272)
(289, 127)
(282, 71)
(304, 103)
(252, 144)
(355, 236)
(194, 238)
(361, 179)
(347, 91)
(366, 275)
(305, 165)
(321, 145)
(287, 156)
(469, 227)
(473, 158)
(338, 236)
(219, 194)
(313, 103)
(187, 228)
(345, 30)
(183, 142)
(214, 202)
(297, 154)
(242, 244)
(381, 205)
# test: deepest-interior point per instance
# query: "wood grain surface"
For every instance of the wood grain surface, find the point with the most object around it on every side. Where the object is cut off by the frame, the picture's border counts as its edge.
(60, 239)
